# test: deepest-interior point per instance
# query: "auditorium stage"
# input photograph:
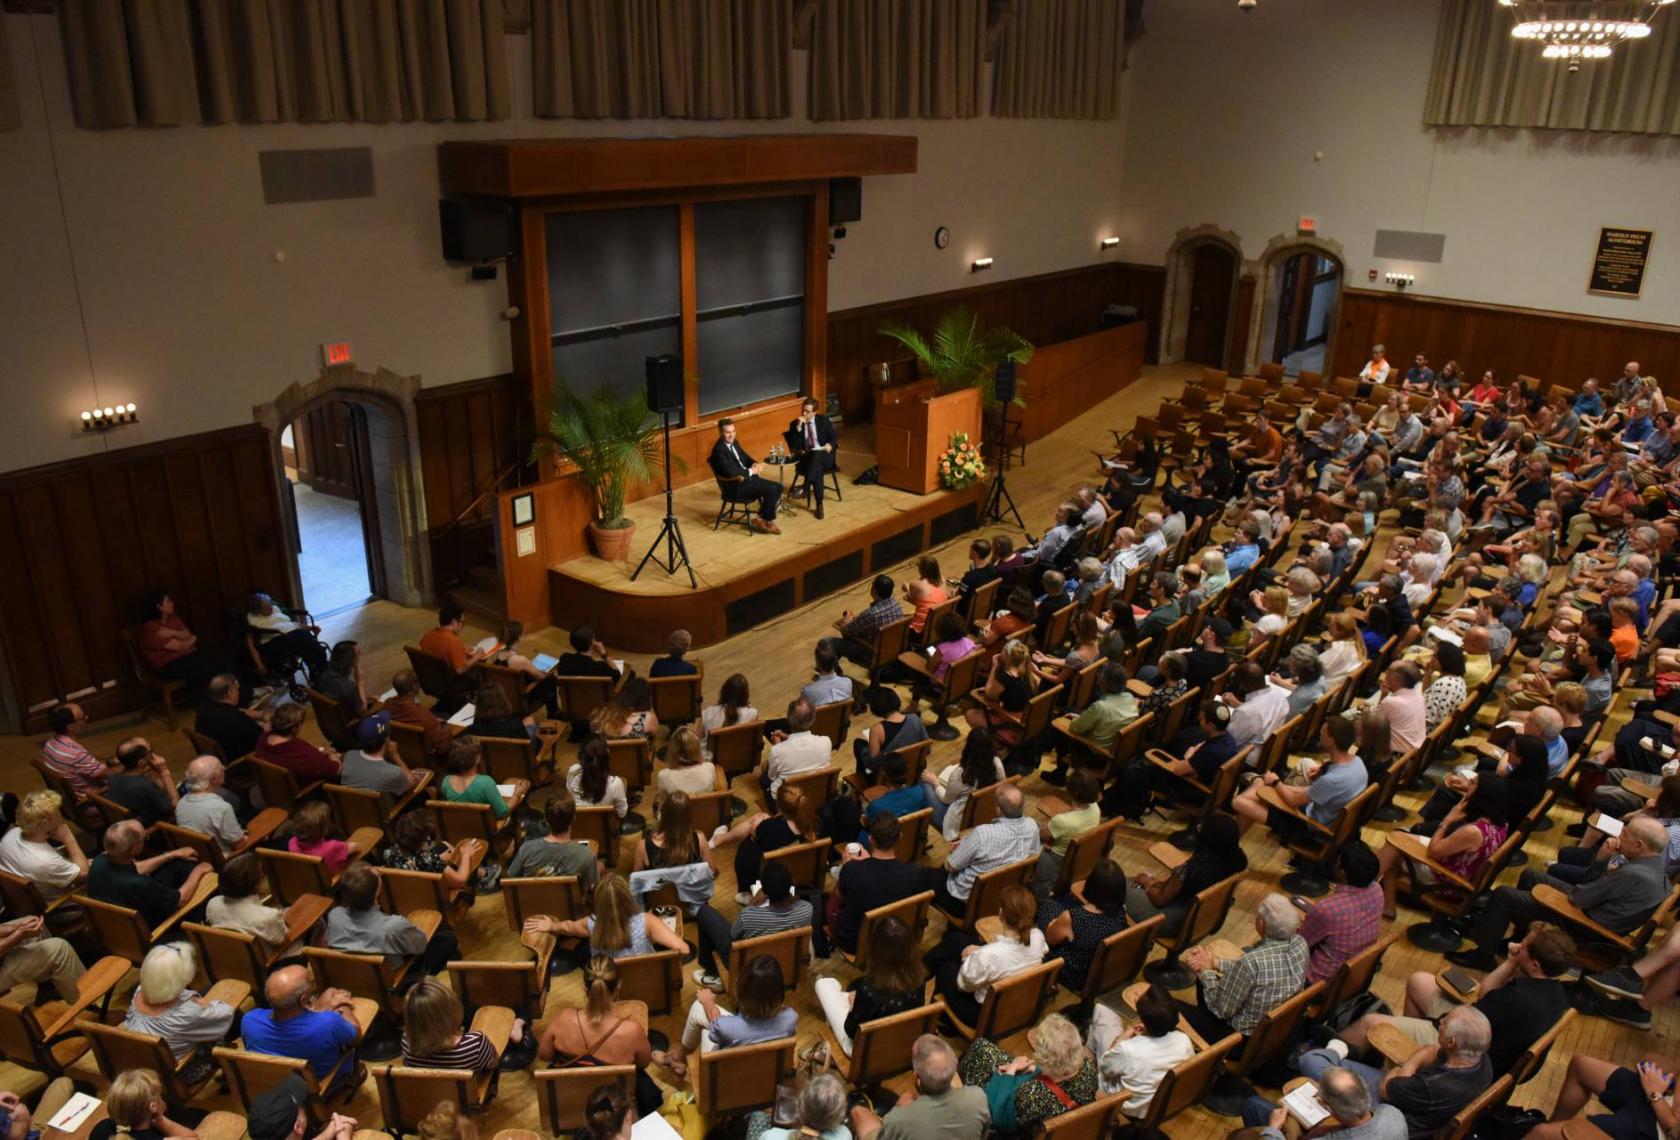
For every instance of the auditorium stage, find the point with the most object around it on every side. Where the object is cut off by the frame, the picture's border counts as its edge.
(747, 579)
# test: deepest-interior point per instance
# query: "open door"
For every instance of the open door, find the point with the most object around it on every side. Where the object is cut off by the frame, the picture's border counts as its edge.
(328, 461)
(1212, 282)
(361, 474)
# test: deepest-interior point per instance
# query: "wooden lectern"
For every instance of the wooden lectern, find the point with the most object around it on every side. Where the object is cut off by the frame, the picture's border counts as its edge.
(914, 425)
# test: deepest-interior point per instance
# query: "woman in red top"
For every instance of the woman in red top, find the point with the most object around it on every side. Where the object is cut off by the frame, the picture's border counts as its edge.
(1486, 392)
(169, 648)
(281, 745)
(925, 591)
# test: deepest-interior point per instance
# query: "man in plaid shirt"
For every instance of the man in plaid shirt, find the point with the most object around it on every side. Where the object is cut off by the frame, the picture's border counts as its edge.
(1234, 996)
(1349, 919)
(857, 631)
(1009, 838)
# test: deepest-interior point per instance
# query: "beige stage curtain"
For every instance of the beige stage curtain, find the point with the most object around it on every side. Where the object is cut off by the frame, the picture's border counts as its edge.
(651, 59)
(171, 62)
(897, 59)
(1482, 77)
(10, 116)
(1060, 59)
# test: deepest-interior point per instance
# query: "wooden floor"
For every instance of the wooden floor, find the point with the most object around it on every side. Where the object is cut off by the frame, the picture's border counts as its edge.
(776, 658)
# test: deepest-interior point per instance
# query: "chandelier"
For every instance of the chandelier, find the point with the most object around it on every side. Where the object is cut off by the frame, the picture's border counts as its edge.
(1574, 30)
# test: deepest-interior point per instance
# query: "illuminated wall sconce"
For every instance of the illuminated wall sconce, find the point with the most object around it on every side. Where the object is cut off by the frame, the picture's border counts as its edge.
(981, 264)
(1399, 280)
(104, 419)
(1109, 243)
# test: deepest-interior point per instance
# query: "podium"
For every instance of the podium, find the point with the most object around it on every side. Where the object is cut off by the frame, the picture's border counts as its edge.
(914, 425)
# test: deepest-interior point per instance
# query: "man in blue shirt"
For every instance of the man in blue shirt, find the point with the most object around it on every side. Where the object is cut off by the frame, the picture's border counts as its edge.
(829, 685)
(1587, 401)
(1639, 423)
(1245, 551)
(318, 1028)
(901, 798)
(1420, 377)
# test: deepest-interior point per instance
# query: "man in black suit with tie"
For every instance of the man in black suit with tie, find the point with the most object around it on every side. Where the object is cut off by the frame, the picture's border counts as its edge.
(814, 442)
(730, 460)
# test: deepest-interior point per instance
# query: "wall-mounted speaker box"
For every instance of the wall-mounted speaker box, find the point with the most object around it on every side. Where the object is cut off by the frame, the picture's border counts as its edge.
(845, 200)
(476, 229)
(664, 384)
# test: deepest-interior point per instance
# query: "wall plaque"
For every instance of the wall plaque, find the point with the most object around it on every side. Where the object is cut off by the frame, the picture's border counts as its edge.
(1618, 268)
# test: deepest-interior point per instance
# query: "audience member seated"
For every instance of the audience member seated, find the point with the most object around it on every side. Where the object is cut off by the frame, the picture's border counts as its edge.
(164, 1006)
(1002, 704)
(672, 840)
(282, 746)
(924, 591)
(794, 820)
(135, 1108)
(415, 846)
(1352, 1113)
(734, 706)
(628, 712)
(1134, 1059)
(947, 792)
(616, 928)
(1330, 787)
(435, 1035)
(1100, 722)
(588, 657)
(763, 1015)
(555, 852)
(1233, 995)
(1431, 1085)
(1521, 999)
(591, 781)
(1022, 1092)
(221, 718)
(773, 909)
(467, 783)
(894, 982)
(67, 757)
(157, 887)
(894, 729)
(169, 648)
(1217, 855)
(1213, 746)
(798, 750)
(142, 783)
(375, 766)
(1017, 616)
(358, 925)
(241, 905)
(1462, 843)
(964, 968)
(1009, 838)
(536, 684)
(205, 807)
(604, 1032)
(1620, 899)
(342, 679)
(319, 1028)
(494, 717)
(312, 827)
(444, 641)
(1059, 830)
(939, 1104)
(1075, 926)
(857, 631)
(1349, 919)
(1643, 1101)
(821, 1114)
(405, 708)
(870, 880)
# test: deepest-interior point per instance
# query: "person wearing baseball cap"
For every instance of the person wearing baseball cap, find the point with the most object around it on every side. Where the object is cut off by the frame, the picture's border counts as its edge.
(374, 765)
(278, 1115)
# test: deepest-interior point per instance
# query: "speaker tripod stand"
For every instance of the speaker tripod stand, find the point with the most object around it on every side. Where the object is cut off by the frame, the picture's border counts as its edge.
(999, 504)
(670, 531)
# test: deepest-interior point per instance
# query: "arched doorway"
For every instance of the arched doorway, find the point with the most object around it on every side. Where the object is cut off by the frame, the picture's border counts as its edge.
(1297, 301)
(345, 453)
(1204, 268)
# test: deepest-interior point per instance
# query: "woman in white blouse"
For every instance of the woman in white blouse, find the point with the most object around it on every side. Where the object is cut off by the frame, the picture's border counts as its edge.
(689, 771)
(590, 781)
(734, 706)
(1346, 654)
(965, 974)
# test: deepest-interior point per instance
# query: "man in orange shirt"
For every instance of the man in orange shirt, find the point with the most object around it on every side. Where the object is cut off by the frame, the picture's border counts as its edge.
(444, 642)
(1261, 448)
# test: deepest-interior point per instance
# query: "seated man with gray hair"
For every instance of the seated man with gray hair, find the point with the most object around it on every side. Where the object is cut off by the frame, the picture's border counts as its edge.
(1010, 838)
(940, 1106)
(1353, 1116)
(1232, 995)
(204, 809)
(1434, 1082)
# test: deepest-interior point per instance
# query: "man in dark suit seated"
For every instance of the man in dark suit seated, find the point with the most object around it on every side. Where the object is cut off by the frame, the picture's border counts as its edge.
(729, 460)
(814, 444)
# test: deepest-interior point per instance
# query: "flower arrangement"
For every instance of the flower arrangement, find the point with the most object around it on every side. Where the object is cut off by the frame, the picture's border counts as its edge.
(960, 464)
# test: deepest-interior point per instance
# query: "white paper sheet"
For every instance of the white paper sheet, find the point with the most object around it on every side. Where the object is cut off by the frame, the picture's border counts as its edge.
(464, 715)
(1304, 1104)
(75, 1112)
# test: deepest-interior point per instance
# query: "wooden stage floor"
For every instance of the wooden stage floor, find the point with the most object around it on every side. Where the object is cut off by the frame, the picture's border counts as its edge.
(745, 579)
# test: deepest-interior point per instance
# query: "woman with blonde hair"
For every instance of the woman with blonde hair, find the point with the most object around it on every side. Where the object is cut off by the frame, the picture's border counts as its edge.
(166, 1006)
(433, 1036)
(1058, 1075)
(628, 712)
(793, 821)
(688, 768)
(606, 1031)
(1008, 691)
(1346, 653)
(616, 929)
(672, 840)
(965, 972)
(447, 1122)
(135, 1108)
(1273, 602)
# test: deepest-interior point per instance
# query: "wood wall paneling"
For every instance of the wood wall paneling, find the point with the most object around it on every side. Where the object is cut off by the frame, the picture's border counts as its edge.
(1045, 309)
(1241, 320)
(1063, 380)
(82, 541)
(1559, 348)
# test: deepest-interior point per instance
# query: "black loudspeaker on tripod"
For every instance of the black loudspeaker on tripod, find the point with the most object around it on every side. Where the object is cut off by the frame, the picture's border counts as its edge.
(999, 504)
(665, 396)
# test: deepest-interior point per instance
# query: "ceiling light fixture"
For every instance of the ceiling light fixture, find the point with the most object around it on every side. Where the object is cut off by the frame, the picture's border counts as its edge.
(1576, 30)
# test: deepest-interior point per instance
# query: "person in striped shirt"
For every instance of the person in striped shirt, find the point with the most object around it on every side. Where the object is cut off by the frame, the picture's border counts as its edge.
(67, 757)
(434, 1036)
(774, 909)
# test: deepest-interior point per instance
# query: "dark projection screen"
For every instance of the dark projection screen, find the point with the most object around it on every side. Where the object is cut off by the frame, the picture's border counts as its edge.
(750, 276)
(614, 294)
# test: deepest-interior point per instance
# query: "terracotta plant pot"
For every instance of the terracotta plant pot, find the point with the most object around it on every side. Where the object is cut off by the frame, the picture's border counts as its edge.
(612, 545)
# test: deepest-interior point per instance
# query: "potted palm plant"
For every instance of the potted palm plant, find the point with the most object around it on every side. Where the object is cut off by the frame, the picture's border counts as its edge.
(962, 355)
(613, 440)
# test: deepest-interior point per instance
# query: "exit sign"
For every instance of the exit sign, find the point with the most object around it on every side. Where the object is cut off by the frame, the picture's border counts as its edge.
(1306, 224)
(335, 354)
